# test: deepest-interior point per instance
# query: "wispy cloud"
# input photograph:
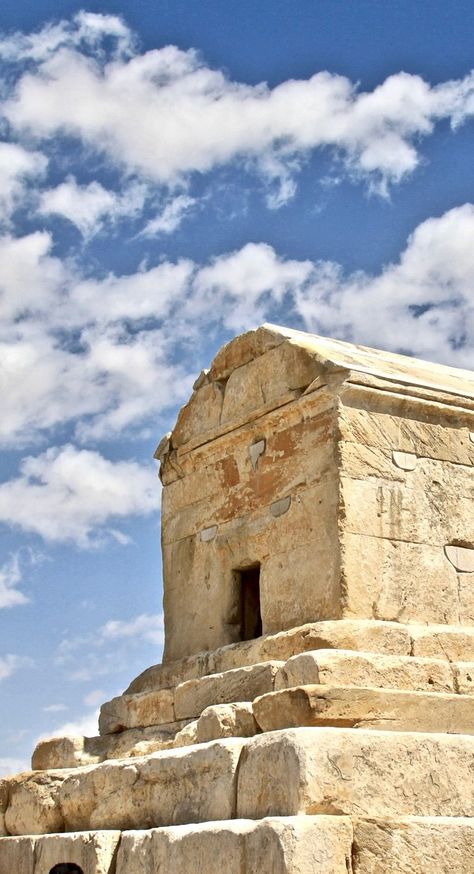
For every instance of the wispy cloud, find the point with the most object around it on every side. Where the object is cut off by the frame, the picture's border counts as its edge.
(145, 627)
(11, 663)
(10, 578)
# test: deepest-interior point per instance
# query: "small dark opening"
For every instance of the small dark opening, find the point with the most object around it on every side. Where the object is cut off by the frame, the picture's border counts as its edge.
(66, 868)
(250, 616)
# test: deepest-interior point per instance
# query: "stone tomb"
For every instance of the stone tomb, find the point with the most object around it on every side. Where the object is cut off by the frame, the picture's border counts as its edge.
(314, 712)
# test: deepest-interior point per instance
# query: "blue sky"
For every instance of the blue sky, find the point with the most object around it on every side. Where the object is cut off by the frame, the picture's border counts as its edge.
(173, 173)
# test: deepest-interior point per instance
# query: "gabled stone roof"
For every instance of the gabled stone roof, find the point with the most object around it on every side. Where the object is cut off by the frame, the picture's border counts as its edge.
(333, 354)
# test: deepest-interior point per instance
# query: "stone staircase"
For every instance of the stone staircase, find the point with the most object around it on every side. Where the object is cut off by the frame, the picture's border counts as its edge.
(336, 747)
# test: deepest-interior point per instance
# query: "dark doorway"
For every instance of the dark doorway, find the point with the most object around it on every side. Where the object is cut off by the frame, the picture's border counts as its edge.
(66, 868)
(248, 580)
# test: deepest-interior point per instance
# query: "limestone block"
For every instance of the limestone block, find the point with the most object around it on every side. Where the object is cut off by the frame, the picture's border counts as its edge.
(17, 855)
(464, 672)
(395, 580)
(286, 845)
(226, 720)
(189, 784)
(389, 709)
(240, 684)
(74, 752)
(68, 752)
(429, 439)
(33, 803)
(187, 736)
(93, 852)
(354, 634)
(413, 845)
(367, 773)
(346, 668)
(4, 793)
(453, 644)
(143, 741)
(137, 711)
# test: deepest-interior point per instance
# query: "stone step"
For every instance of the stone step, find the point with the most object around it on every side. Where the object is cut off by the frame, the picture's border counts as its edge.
(317, 844)
(329, 667)
(356, 707)
(187, 700)
(75, 751)
(281, 773)
(356, 772)
(450, 642)
(216, 722)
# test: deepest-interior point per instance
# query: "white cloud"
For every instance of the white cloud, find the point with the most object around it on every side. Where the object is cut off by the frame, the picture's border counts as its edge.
(87, 28)
(165, 114)
(172, 216)
(17, 167)
(90, 206)
(244, 284)
(10, 663)
(422, 304)
(10, 577)
(85, 726)
(111, 353)
(79, 492)
(147, 627)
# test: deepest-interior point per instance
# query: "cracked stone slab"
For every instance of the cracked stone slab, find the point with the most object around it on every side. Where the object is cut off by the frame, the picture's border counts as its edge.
(387, 709)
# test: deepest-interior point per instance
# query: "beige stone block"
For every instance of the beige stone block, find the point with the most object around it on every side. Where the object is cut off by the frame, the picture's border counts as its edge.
(364, 773)
(143, 741)
(17, 855)
(166, 676)
(189, 784)
(453, 644)
(4, 793)
(240, 684)
(226, 720)
(432, 505)
(94, 852)
(464, 673)
(388, 709)
(68, 752)
(413, 845)
(134, 711)
(286, 845)
(346, 668)
(428, 439)
(401, 581)
(33, 803)
(366, 635)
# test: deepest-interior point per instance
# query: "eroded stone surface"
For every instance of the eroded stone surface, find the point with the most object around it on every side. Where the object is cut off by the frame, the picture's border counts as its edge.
(226, 720)
(133, 711)
(288, 845)
(240, 684)
(346, 668)
(414, 845)
(192, 784)
(387, 709)
(33, 803)
(368, 773)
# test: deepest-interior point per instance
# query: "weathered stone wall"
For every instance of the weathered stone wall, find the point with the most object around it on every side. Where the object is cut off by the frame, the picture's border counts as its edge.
(407, 497)
(265, 493)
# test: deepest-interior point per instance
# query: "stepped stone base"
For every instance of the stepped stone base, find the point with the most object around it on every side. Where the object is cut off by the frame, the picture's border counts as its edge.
(346, 748)
(274, 845)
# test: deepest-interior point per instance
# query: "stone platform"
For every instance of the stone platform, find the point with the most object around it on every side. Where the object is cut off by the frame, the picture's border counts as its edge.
(348, 746)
